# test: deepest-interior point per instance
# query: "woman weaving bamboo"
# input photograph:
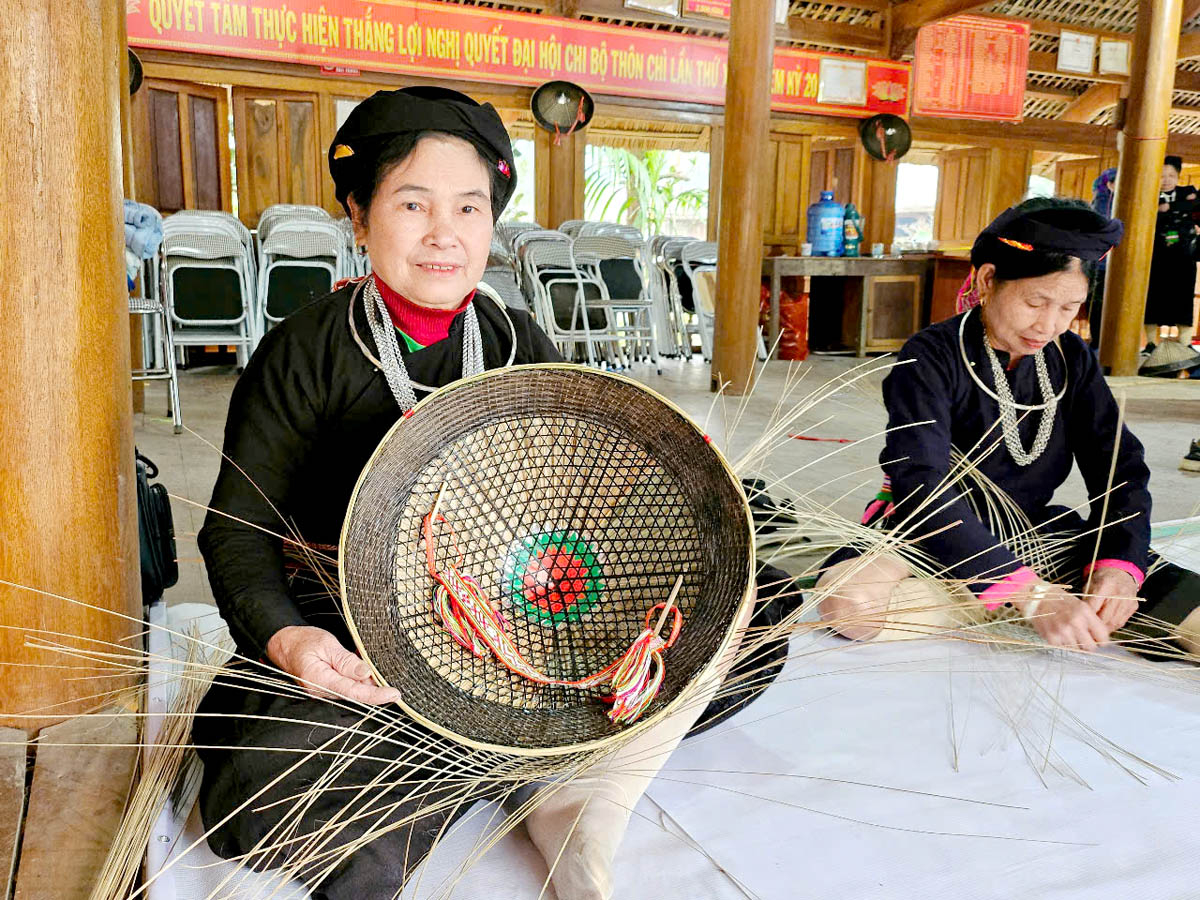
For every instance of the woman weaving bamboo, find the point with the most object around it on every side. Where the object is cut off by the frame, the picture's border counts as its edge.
(424, 173)
(1006, 385)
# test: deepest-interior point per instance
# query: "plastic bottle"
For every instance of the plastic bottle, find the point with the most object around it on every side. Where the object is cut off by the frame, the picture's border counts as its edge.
(826, 224)
(852, 229)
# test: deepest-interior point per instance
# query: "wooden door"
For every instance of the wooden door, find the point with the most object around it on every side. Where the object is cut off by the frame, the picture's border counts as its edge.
(959, 215)
(181, 146)
(278, 150)
(1074, 177)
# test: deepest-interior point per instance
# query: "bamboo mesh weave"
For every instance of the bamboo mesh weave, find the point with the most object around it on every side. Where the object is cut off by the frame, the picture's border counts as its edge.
(534, 457)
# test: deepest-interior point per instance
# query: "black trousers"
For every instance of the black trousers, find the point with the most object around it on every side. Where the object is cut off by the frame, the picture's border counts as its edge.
(248, 789)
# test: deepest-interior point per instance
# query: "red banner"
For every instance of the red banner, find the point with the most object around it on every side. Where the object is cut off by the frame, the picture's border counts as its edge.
(971, 67)
(717, 9)
(450, 41)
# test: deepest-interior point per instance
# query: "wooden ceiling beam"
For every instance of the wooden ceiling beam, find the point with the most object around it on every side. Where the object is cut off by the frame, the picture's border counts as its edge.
(1091, 102)
(1043, 92)
(813, 31)
(909, 16)
(1189, 45)
(834, 34)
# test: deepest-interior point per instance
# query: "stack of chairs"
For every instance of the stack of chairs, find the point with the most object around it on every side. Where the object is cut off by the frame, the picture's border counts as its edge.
(207, 276)
(357, 262)
(302, 253)
(501, 275)
(606, 294)
(616, 263)
(566, 299)
(664, 270)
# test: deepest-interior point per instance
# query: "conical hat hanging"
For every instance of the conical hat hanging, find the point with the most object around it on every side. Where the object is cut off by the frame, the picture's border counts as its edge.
(577, 500)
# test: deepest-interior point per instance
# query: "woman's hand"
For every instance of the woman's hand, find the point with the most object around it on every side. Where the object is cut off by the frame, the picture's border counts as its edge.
(1060, 617)
(323, 667)
(1112, 595)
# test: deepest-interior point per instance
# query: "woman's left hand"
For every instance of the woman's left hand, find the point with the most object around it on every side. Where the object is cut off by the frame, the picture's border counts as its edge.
(1112, 594)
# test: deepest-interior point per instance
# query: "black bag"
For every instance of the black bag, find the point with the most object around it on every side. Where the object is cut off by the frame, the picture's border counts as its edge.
(156, 532)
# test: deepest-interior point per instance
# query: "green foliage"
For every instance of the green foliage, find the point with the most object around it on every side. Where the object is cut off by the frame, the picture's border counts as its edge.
(639, 189)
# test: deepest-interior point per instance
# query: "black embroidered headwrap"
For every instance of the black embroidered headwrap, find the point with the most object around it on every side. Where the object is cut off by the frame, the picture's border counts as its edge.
(1036, 228)
(386, 115)
(1069, 229)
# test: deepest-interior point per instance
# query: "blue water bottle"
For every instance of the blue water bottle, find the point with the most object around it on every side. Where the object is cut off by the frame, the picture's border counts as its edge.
(826, 224)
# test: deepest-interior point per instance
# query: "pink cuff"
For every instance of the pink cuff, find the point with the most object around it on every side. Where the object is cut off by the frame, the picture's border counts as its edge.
(995, 595)
(1138, 575)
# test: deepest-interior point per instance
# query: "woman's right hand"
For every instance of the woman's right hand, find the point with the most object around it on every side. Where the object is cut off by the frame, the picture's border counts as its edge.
(1060, 617)
(323, 667)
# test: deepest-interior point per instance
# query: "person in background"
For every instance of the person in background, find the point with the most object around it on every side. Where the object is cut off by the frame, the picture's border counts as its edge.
(1102, 202)
(1007, 384)
(1173, 266)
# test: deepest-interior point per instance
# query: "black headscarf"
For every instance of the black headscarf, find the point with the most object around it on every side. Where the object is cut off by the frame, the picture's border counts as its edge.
(386, 115)
(1048, 227)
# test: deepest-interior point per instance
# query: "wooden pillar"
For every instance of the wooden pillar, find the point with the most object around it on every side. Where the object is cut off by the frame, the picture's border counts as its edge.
(716, 151)
(743, 183)
(67, 498)
(879, 202)
(1151, 81)
(127, 185)
(560, 177)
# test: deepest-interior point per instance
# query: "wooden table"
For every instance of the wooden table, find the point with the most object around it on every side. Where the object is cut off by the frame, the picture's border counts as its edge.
(886, 295)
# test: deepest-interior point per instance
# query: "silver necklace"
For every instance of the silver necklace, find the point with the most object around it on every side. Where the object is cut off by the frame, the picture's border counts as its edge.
(1008, 406)
(388, 344)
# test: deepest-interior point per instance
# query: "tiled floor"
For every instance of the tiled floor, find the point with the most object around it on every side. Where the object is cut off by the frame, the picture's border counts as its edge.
(1164, 414)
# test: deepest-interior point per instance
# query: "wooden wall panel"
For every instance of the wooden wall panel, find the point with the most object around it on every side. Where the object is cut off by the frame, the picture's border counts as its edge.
(1075, 177)
(278, 149)
(258, 157)
(788, 157)
(302, 155)
(180, 138)
(166, 188)
(843, 175)
(205, 156)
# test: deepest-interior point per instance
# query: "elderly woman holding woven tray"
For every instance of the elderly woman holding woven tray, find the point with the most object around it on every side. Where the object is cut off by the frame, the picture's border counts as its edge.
(1007, 386)
(424, 174)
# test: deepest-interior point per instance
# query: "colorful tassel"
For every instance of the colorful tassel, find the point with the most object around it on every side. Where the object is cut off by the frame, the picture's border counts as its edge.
(479, 627)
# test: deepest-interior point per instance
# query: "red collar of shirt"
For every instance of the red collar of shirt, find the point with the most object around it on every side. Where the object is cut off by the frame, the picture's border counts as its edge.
(423, 324)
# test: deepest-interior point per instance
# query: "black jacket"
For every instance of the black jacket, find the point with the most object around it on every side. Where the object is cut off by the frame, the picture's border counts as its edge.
(931, 385)
(305, 417)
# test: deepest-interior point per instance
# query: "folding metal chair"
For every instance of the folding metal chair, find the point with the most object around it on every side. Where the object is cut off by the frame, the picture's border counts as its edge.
(563, 297)
(300, 261)
(279, 213)
(618, 267)
(160, 358)
(699, 260)
(207, 281)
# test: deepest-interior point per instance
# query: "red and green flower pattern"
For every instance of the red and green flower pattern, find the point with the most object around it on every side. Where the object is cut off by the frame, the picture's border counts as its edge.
(553, 577)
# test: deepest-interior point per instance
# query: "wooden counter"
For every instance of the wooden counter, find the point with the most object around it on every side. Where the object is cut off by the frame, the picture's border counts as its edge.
(882, 298)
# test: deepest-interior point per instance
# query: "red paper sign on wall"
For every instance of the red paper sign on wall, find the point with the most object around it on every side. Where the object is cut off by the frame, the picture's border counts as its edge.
(972, 67)
(717, 9)
(443, 40)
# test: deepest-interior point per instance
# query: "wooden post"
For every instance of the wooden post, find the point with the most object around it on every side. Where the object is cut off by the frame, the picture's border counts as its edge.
(563, 185)
(747, 128)
(127, 185)
(879, 202)
(1151, 81)
(67, 501)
